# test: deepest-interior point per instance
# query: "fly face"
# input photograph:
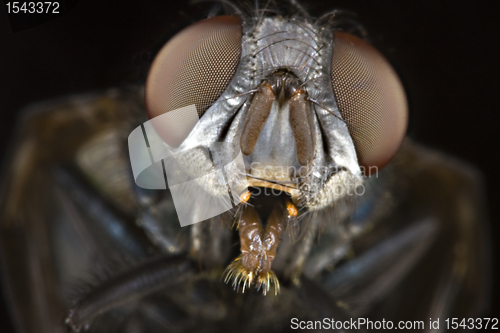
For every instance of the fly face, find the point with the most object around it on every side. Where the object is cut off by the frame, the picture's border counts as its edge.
(307, 106)
(311, 109)
(279, 106)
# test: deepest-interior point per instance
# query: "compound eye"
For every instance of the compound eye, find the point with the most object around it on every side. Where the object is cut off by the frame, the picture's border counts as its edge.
(370, 98)
(194, 67)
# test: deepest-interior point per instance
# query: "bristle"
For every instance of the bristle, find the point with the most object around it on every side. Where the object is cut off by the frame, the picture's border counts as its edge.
(240, 276)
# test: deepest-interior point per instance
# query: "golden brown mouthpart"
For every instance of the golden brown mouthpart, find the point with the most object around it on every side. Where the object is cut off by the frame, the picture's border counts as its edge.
(258, 248)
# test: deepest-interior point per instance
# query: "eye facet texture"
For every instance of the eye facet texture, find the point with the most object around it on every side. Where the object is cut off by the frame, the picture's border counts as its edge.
(370, 98)
(194, 67)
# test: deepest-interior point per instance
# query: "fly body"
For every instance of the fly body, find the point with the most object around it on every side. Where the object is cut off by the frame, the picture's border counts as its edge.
(336, 213)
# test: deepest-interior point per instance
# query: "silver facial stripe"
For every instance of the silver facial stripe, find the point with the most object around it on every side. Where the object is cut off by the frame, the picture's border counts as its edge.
(301, 48)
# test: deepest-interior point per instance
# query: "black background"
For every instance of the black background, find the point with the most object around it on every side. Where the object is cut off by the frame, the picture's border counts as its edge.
(445, 51)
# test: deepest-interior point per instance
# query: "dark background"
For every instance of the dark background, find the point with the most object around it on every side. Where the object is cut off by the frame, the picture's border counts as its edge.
(445, 51)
